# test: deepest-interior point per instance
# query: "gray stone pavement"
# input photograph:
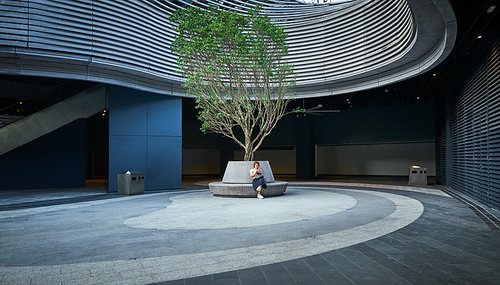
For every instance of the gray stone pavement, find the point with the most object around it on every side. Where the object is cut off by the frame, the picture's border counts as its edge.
(319, 232)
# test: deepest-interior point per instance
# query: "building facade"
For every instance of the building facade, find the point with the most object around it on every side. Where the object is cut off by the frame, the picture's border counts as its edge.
(374, 60)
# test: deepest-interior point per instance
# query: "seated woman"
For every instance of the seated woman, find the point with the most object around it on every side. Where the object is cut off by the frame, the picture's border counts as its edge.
(258, 179)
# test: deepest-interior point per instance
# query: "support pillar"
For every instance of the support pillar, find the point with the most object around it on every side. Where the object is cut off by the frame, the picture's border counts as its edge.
(305, 147)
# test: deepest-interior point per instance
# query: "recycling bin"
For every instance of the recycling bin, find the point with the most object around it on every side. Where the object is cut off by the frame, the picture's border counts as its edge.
(130, 183)
(418, 175)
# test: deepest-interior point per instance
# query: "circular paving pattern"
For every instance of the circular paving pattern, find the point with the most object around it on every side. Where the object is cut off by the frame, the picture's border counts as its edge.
(189, 234)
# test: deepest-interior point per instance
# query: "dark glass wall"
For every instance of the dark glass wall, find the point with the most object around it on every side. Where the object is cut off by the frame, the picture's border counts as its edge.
(55, 160)
(474, 104)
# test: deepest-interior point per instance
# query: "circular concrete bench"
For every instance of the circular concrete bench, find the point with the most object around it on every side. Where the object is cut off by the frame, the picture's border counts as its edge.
(238, 183)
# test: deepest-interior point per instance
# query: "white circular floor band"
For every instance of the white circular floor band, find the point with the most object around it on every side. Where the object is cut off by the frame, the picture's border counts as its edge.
(202, 210)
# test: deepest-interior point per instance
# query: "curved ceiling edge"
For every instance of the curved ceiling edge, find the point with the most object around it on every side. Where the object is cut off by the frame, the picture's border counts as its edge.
(336, 47)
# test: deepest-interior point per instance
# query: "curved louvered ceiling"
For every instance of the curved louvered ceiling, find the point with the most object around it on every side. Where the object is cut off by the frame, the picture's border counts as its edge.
(336, 47)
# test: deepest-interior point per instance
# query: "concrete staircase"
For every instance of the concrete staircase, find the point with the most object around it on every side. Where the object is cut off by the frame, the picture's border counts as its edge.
(82, 105)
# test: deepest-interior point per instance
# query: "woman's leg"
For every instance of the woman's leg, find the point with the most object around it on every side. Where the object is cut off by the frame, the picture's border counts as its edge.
(258, 192)
(257, 186)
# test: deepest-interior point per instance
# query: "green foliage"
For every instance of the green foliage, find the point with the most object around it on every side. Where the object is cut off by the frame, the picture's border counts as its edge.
(234, 65)
(298, 110)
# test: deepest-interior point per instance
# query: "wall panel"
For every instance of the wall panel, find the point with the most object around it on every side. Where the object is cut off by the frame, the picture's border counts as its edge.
(476, 131)
(145, 135)
(440, 129)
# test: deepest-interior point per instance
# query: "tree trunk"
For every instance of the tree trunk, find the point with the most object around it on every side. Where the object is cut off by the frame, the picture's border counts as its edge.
(248, 155)
(248, 147)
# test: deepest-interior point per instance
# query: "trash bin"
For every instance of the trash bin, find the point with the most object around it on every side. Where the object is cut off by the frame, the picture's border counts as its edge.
(418, 175)
(130, 183)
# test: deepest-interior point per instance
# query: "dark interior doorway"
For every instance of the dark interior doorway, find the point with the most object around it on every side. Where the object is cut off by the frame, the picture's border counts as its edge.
(96, 150)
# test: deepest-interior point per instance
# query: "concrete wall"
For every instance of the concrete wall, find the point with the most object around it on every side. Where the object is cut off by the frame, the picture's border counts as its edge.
(381, 159)
(377, 140)
(373, 159)
(374, 141)
(145, 135)
(200, 161)
(206, 161)
(282, 161)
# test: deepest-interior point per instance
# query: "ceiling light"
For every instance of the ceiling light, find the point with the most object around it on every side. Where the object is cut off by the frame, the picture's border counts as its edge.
(479, 37)
(491, 8)
(386, 90)
(434, 74)
(418, 98)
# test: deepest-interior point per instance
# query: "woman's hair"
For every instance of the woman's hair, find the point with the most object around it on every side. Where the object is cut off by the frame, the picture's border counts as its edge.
(256, 162)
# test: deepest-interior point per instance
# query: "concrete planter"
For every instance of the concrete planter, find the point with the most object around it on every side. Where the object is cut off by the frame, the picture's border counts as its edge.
(238, 183)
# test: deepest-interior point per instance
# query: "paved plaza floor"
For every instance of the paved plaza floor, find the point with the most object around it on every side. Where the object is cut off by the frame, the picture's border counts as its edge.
(325, 231)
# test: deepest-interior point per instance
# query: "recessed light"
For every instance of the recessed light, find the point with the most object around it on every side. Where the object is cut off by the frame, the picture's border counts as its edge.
(434, 74)
(479, 37)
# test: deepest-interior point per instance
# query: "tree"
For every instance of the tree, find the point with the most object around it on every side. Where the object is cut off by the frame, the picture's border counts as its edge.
(235, 67)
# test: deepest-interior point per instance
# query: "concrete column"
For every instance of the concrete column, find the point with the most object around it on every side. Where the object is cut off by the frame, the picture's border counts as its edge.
(305, 147)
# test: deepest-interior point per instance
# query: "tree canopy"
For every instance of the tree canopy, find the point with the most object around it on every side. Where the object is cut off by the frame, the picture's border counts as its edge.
(235, 66)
